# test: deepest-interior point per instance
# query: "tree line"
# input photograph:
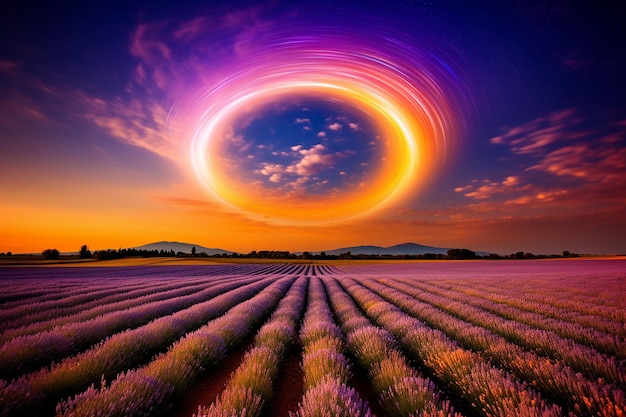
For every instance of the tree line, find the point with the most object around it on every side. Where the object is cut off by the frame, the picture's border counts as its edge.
(451, 254)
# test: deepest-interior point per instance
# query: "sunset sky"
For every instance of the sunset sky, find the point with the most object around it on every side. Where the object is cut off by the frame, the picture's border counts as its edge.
(494, 126)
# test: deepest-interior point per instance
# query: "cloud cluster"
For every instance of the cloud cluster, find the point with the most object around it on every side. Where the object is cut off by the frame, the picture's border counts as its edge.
(306, 163)
(567, 162)
(313, 161)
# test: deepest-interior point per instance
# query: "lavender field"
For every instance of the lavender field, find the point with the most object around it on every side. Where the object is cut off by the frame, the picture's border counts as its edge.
(483, 338)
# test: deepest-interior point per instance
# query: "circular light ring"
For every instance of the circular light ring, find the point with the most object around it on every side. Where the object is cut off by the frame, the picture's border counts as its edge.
(404, 98)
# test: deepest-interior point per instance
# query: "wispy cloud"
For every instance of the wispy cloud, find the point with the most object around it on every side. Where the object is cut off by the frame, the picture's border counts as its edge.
(9, 67)
(141, 123)
(567, 162)
(488, 189)
(535, 136)
(28, 99)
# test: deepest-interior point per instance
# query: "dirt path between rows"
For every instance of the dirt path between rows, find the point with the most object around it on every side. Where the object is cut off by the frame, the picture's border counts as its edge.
(289, 385)
(360, 382)
(210, 383)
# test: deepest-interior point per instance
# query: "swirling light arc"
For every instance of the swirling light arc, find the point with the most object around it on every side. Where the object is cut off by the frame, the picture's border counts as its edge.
(403, 93)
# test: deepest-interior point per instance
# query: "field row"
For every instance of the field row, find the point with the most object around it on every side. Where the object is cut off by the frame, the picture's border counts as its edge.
(371, 341)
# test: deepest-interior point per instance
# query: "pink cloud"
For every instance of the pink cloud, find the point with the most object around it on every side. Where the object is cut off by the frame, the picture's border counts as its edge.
(596, 162)
(28, 100)
(271, 169)
(540, 133)
(509, 185)
(570, 166)
(138, 123)
(9, 67)
(145, 43)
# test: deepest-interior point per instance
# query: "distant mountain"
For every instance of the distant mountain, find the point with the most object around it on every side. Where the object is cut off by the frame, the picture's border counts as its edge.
(182, 247)
(402, 249)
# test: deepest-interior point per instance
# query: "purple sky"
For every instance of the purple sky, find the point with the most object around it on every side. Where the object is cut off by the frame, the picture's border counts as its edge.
(525, 99)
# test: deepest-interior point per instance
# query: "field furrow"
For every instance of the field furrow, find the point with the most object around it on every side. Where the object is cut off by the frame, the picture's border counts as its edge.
(489, 390)
(401, 388)
(600, 341)
(553, 379)
(594, 331)
(250, 386)
(583, 359)
(315, 339)
(326, 370)
(118, 352)
(143, 390)
(30, 352)
(125, 300)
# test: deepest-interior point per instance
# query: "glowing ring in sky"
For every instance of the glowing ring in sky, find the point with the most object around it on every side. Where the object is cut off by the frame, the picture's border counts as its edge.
(404, 94)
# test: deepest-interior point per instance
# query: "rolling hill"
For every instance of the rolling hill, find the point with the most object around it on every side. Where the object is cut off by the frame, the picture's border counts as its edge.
(182, 247)
(401, 249)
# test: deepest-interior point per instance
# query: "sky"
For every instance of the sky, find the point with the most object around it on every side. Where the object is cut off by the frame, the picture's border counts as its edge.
(309, 126)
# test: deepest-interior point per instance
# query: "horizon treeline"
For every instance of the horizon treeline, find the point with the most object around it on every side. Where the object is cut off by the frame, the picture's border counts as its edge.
(451, 254)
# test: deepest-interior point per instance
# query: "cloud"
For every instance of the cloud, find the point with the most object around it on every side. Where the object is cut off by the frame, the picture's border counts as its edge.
(321, 134)
(9, 67)
(569, 161)
(489, 188)
(170, 54)
(305, 163)
(146, 45)
(599, 161)
(271, 169)
(28, 99)
(313, 161)
(301, 120)
(535, 136)
(276, 178)
(140, 123)
(335, 126)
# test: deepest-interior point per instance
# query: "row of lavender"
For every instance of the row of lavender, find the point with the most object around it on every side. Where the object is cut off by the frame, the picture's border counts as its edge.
(512, 379)
(459, 352)
(427, 347)
(71, 332)
(60, 305)
(24, 285)
(250, 385)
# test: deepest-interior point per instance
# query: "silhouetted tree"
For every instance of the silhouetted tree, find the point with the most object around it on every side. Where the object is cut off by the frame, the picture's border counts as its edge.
(109, 254)
(51, 254)
(193, 251)
(84, 252)
(461, 254)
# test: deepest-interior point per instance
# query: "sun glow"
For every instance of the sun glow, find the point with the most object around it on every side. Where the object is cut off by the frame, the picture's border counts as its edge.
(402, 94)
